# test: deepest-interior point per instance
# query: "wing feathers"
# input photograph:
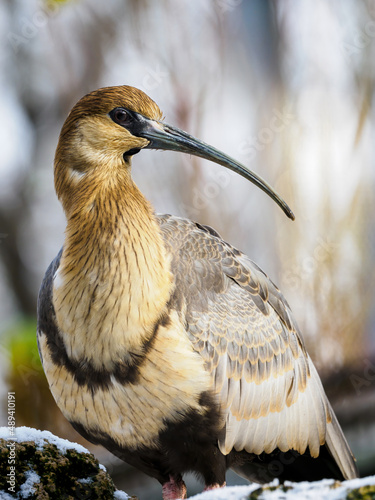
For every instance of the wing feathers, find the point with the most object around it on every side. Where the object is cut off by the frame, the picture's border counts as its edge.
(260, 420)
(242, 326)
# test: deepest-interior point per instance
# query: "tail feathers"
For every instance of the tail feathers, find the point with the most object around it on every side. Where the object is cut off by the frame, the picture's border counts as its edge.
(339, 449)
(335, 461)
(291, 466)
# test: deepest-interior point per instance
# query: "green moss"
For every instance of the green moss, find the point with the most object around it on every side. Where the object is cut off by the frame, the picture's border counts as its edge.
(254, 495)
(363, 493)
(335, 484)
(71, 476)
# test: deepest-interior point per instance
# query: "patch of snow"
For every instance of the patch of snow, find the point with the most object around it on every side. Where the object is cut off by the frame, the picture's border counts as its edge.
(39, 437)
(85, 480)
(5, 496)
(27, 488)
(120, 495)
(102, 467)
(327, 489)
(228, 493)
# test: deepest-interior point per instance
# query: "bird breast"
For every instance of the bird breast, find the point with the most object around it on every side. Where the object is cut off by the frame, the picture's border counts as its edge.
(169, 384)
(131, 366)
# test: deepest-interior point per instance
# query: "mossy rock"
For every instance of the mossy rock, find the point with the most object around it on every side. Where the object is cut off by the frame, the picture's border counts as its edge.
(326, 488)
(40, 469)
(363, 493)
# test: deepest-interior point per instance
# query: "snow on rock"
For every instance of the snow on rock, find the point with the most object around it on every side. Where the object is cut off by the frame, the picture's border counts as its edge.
(228, 493)
(120, 495)
(28, 487)
(39, 438)
(327, 489)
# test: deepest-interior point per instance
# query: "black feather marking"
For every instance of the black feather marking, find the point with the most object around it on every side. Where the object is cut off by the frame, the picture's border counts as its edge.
(187, 445)
(83, 371)
(208, 229)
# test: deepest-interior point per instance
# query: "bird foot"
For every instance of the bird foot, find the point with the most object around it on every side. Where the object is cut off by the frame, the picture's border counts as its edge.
(174, 489)
(215, 486)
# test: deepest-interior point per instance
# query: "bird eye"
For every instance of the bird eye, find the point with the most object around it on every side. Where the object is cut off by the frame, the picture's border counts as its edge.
(120, 116)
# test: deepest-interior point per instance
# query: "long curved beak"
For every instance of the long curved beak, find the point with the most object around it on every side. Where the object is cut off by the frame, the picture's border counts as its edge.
(166, 137)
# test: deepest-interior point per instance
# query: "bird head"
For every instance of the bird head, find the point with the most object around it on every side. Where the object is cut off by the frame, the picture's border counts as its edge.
(108, 126)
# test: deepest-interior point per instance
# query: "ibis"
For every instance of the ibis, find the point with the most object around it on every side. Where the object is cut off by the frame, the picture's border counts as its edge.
(161, 341)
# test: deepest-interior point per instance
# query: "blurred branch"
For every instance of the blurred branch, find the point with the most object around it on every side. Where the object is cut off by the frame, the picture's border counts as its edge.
(17, 273)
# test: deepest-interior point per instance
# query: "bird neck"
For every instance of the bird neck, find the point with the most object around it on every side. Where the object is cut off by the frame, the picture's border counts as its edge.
(114, 279)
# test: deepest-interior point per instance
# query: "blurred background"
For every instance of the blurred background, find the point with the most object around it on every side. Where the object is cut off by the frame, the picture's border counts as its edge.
(285, 87)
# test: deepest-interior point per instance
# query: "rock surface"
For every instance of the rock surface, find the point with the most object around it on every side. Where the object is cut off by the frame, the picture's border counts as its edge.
(37, 465)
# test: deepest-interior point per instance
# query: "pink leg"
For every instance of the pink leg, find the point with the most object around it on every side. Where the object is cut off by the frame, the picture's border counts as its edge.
(174, 489)
(215, 486)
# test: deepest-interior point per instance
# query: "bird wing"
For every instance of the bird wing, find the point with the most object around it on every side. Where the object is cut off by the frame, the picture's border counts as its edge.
(242, 326)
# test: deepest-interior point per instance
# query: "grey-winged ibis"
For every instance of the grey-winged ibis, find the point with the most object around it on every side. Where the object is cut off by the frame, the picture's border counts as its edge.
(161, 341)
